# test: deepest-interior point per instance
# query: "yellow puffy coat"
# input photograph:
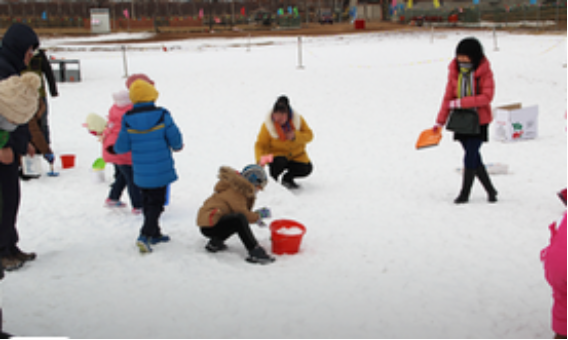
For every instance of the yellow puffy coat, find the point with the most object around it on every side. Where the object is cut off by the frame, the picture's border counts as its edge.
(268, 142)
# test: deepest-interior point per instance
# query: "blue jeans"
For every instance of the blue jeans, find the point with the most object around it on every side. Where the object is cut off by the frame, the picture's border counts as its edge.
(472, 157)
(124, 178)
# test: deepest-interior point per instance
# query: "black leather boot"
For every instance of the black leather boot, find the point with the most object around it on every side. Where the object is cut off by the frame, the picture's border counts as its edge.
(467, 182)
(483, 177)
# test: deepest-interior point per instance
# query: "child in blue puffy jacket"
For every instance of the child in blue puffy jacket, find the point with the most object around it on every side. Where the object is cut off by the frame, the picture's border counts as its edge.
(151, 134)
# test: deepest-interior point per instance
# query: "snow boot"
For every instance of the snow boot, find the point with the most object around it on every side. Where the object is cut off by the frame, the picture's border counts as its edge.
(10, 263)
(290, 184)
(159, 239)
(483, 177)
(259, 255)
(22, 256)
(467, 182)
(143, 243)
(214, 245)
(114, 203)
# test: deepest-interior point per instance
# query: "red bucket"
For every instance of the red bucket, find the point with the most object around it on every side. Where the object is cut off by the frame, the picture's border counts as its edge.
(286, 236)
(67, 161)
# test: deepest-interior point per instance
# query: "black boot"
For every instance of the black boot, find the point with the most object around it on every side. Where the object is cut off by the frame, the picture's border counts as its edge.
(483, 177)
(468, 176)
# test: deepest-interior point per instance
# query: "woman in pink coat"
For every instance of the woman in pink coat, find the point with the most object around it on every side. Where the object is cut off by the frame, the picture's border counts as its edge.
(123, 177)
(470, 85)
(554, 258)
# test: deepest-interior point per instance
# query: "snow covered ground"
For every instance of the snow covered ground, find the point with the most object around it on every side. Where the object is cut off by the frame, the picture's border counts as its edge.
(386, 254)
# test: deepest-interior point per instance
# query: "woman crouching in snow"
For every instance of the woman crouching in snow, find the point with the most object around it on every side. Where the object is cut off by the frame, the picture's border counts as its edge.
(284, 136)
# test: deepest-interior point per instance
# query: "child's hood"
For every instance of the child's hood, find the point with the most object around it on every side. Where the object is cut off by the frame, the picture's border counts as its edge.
(231, 179)
(145, 119)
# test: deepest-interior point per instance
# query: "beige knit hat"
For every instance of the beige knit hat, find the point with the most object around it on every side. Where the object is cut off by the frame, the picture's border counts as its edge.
(19, 97)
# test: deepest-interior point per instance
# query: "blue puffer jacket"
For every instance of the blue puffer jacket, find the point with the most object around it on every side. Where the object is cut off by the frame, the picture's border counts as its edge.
(150, 133)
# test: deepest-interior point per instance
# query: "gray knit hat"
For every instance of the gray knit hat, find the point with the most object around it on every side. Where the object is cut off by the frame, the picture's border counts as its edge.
(255, 174)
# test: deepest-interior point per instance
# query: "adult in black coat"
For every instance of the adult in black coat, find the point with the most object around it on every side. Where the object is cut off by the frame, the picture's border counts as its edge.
(18, 45)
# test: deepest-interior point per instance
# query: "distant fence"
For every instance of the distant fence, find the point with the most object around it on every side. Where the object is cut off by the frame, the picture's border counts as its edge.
(147, 14)
(545, 16)
(153, 13)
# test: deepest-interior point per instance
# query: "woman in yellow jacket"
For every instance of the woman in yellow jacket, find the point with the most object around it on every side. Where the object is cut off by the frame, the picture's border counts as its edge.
(283, 137)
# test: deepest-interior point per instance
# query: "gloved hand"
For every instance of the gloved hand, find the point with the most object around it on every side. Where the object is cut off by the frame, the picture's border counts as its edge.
(455, 104)
(260, 223)
(264, 212)
(49, 157)
(110, 149)
(266, 159)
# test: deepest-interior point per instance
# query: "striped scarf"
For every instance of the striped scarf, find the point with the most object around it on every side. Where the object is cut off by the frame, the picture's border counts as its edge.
(466, 81)
(282, 130)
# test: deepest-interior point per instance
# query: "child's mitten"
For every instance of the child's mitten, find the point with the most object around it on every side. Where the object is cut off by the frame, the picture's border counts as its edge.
(49, 157)
(110, 149)
(264, 212)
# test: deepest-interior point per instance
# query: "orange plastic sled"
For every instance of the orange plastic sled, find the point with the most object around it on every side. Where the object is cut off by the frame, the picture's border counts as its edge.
(429, 138)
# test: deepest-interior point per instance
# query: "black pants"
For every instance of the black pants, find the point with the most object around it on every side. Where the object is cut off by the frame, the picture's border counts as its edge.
(153, 201)
(472, 157)
(229, 225)
(295, 169)
(9, 206)
(124, 178)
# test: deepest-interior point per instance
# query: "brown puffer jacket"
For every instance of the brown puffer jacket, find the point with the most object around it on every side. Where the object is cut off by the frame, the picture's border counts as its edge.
(233, 194)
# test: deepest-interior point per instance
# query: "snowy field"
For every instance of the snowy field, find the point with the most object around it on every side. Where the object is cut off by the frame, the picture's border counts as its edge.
(386, 254)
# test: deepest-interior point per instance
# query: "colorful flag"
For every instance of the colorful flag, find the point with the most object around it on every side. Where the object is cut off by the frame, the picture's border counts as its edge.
(296, 13)
(201, 13)
(437, 3)
(280, 11)
(394, 4)
(243, 11)
(126, 15)
(409, 5)
(44, 15)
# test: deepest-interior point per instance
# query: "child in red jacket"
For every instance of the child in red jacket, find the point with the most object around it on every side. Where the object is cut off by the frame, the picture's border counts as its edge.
(123, 177)
(554, 259)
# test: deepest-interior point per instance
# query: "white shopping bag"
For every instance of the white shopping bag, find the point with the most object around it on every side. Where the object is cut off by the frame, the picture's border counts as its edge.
(31, 165)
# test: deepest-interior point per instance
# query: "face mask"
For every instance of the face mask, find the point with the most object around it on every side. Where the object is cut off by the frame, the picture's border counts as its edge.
(465, 66)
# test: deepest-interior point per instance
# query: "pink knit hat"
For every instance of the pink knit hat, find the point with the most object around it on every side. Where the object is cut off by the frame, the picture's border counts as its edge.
(121, 98)
(137, 76)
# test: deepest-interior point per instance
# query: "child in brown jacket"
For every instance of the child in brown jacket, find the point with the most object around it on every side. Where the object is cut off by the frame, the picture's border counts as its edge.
(228, 211)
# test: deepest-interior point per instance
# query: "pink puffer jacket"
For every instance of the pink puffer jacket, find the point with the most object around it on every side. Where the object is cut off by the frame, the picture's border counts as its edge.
(554, 258)
(485, 89)
(110, 134)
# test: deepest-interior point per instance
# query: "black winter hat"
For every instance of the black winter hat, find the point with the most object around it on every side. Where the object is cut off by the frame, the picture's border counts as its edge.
(472, 48)
(282, 105)
(17, 40)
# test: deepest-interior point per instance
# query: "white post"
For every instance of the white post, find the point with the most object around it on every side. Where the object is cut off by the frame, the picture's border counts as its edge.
(495, 48)
(432, 35)
(124, 61)
(300, 66)
(248, 43)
